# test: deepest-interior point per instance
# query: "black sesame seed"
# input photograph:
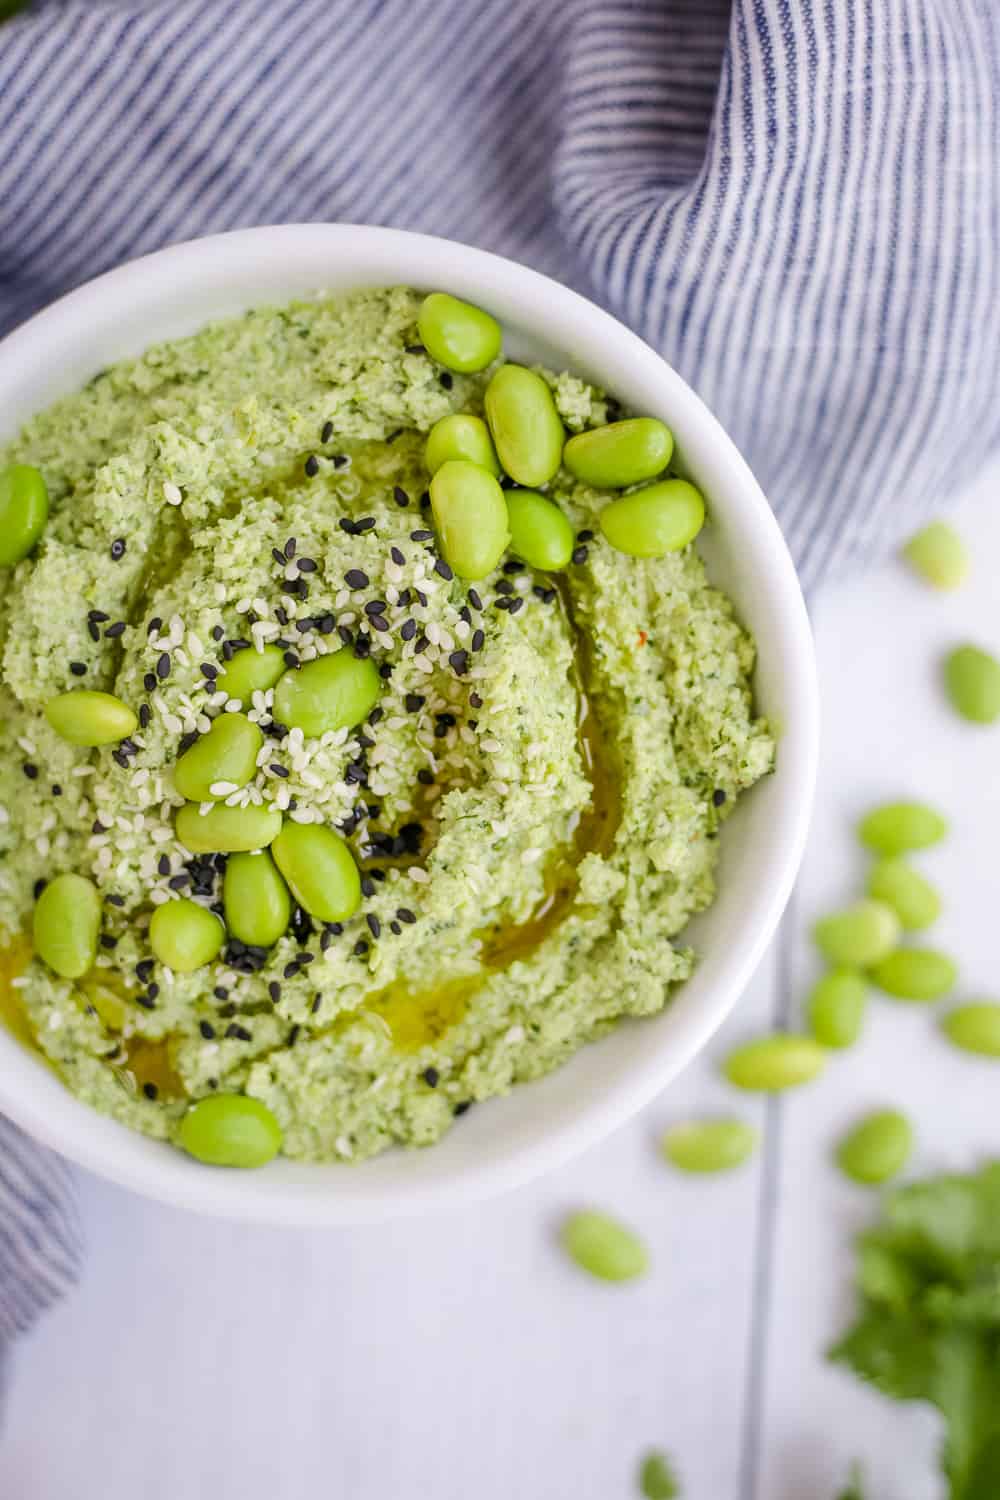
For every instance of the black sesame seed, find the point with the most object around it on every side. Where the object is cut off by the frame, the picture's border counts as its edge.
(274, 990)
(363, 647)
(367, 886)
(442, 568)
(30, 770)
(475, 701)
(459, 661)
(306, 958)
(585, 536)
(163, 666)
(187, 740)
(504, 586)
(340, 460)
(113, 899)
(114, 631)
(150, 1090)
(290, 659)
(414, 349)
(376, 714)
(107, 941)
(462, 1107)
(414, 702)
(152, 990)
(425, 500)
(92, 631)
(405, 914)
(144, 968)
(345, 523)
(317, 1002)
(421, 535)
(360, 948)
(99, 616)
(117, 549)
(478, 640)
(293, 1035)
(145, 1002)
(301, 925)
(279, 770)
(718, 797)
(379, 623)
(432, 1077)
(326, 624)
(163, 864)
(279, 556)
(395, 928)
(307, 565)
(502, 602)
(78, 668)
(408, 630)
(290, 970)
(238, 1033)
(366, 523)
(144, 716)
(425, 776)
(385, 671)
(304, 625)
(513, 566)
(327, 433)
(376, 607)
(422, 644)
(356, 579)
(515, 605)
(217, 632)
(402, 499)
(580, 555)
(38, 887)
(178, 882)
(445, 380)
(312, 466)
(421, 597)
(57, 792)
(208, 670)
(220, 992)
(475, 600)
(207, 1030)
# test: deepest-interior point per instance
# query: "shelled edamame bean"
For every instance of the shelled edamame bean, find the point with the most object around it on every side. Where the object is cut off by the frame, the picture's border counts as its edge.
(230, 1130)
(901, 827)
(461, 435)
(526, 427)
(972, 680)
(705, 1146)
(252, 671)
(604, 1247)
(939, 555)
(771, 1064)
(877, 1148)
(975, 1027)
(651, 522)
(912, 897)
(620, 453)
(66, 924)
(915, 974)
(24, 510)
(332, 692)
(221, 761)
(255, 899)
(540, 534)
(836, 1007)
(319, 869)
(859, 935)
(85, 717)
(458, 335)
(226, 830)
(470, 514)
(185, 936)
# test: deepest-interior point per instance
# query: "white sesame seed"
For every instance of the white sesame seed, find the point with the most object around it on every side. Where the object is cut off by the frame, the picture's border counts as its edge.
(172, 724)
(418, 875)
(222, 788)
(159, 897)
(83, 770)
(28, 746)
(531, 856)
(491, 746)
(513, 1035)
(233, 706)
(171, 493)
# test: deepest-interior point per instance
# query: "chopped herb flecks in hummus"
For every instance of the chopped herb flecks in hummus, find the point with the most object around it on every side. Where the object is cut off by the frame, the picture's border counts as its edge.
(464, 807)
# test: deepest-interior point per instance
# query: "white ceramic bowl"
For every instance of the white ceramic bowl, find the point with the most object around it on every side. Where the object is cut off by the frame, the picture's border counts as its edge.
(506, 1141)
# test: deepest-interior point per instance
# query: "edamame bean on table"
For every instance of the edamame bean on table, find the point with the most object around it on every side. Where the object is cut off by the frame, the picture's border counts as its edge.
(975, 1027)
(901, 827)
(972, 679)
(939, 555)
(836, 1007)
(911, 896)
(330, 717)
(877, 1148)
(604, 1247)
(859, 935)
(916, 974)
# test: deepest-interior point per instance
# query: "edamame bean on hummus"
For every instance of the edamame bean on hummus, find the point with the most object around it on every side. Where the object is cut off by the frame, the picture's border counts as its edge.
(353, 769)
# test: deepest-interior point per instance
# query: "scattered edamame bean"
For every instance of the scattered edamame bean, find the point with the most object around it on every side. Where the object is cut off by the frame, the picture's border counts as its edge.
(836, 1007)
(225, 759)
(66, 924)
(621, 453)
(252, 672)
(972, 679)
(975, 1027)
(24, 510)
(662, 518)
(899, 827)
(604, 1247)
(859, 935)
(470, 514)
(226, 830)
(656, 1478)
(332, 692)
(877, 1148)
(461, 436)
(458, 335)
(85, 717)
(912, 897)
(772, 1063)
(939, 555)
(527, 429)
(230, 1130)
(916, 974)
(540, 534)
(709, 1145)
(320, 870)
(255, 898)
(185, 936)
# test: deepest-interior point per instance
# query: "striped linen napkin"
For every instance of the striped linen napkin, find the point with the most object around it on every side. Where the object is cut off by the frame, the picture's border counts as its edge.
(797, 201)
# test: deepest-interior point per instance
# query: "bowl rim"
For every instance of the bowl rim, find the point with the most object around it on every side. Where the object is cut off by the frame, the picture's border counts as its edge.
(107, 1148)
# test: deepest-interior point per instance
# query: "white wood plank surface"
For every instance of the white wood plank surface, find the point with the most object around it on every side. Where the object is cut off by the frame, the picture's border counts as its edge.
(462, 1356)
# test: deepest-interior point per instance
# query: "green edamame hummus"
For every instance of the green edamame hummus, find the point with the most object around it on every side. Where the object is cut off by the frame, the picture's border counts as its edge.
(532, 802)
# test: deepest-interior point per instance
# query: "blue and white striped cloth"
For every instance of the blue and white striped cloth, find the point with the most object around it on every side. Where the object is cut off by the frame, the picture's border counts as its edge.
(797, 201)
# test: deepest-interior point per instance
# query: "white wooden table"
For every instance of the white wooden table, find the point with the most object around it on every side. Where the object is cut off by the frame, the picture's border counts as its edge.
(462, 1357)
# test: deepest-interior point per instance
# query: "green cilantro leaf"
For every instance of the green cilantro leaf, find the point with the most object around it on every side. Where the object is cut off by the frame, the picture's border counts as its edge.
(929, 1323)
